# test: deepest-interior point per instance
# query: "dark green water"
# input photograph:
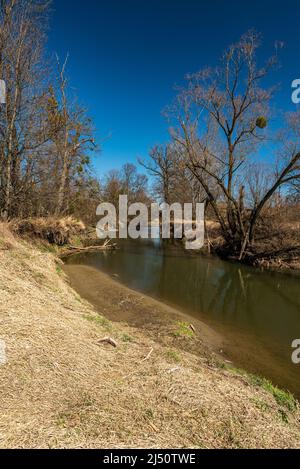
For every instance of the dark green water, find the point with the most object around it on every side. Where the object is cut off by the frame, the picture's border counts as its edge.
(258, 313)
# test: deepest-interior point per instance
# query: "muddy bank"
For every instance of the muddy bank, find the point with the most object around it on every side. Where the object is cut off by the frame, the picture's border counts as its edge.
(122, 304)
(158, 320)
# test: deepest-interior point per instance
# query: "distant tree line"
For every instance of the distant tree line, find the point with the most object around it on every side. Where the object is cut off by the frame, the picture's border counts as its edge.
(220, 127)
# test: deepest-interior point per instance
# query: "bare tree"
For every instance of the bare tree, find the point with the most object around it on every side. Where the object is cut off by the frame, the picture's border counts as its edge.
(221, 117)
(22, 26)
(72, 135)
(128, 181)
(162, 165)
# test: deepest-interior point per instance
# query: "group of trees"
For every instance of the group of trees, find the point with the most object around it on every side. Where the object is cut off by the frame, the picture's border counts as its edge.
(126, 181)
(45, 136)
(220, 128)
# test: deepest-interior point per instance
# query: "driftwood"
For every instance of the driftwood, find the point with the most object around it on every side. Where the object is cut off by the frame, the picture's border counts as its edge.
(70, 250)
(148, 356)
(108, 340)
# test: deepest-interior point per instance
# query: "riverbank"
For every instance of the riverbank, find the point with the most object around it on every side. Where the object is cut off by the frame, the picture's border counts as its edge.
(68, 235)
(276, 246)
(62, 386)
(162, 323)
(116, 278)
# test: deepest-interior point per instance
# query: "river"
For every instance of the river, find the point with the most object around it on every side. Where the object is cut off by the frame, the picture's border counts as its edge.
(257, 312)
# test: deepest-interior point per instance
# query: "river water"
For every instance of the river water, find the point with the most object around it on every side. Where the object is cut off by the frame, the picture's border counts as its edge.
(258, 313)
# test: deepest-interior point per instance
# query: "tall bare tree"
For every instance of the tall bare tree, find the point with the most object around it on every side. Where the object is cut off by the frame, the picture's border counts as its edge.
(221, 117)
(22, 34)
(161, 165)
(72, 135)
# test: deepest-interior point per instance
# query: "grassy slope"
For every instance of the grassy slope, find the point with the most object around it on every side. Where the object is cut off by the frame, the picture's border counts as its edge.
(61, 388)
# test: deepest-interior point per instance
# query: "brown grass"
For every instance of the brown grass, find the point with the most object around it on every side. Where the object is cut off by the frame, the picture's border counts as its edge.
(61, 388)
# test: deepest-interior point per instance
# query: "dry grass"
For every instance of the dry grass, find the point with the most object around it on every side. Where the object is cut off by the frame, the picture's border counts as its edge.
(57, 231)
(61, 388)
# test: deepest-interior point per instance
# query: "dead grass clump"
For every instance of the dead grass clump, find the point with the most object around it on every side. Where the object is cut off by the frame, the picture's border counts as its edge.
(53, 230)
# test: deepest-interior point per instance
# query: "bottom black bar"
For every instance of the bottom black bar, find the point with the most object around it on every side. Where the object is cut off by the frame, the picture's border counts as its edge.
(137, 458)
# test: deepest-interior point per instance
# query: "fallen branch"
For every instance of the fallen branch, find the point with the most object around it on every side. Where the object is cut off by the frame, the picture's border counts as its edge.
(108, 340)
(148, 356)
(76, 250)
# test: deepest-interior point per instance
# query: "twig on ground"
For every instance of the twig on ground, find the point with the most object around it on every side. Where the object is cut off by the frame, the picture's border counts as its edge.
(148, 356)
(108, 340)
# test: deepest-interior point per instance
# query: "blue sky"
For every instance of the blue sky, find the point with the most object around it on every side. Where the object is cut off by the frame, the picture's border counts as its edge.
(127, 56)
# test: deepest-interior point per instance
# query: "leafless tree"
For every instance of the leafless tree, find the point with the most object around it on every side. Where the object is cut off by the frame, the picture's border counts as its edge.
(221, 117)
(127, 181)
(161, 165)
(22, 34)
(72, 135)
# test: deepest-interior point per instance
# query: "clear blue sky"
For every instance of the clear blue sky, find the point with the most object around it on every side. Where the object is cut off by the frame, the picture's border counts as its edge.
(127, 55)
